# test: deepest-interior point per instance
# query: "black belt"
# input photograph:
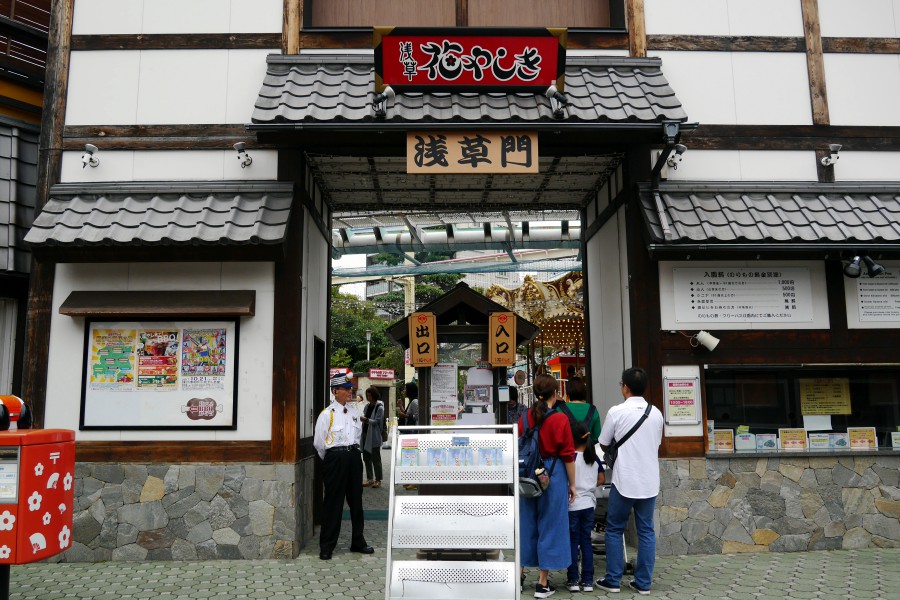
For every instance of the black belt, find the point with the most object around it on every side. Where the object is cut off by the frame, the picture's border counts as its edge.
(342, 448)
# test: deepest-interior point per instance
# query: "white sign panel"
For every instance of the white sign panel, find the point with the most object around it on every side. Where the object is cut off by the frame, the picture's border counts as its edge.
(723, 294)
(444, 384)
(878, 298)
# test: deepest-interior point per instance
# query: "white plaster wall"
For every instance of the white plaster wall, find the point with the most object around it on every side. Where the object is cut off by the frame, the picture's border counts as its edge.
(724, 17)
(316, 263)
(96, 17)
(608, 320)
(168, 165)
(867, 166)
(744, 165)
(859, 18)
(66, 359)
(743, 88)
(149, 87)
(863, 89)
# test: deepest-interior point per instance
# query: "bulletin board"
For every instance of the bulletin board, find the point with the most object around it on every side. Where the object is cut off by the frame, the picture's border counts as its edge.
(160, 375)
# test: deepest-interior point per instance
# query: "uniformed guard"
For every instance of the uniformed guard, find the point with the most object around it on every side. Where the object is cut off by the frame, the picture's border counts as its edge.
(336, 440)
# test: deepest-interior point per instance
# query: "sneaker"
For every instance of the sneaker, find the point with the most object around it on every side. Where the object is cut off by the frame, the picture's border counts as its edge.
(639, 590)
(573, 586)
(587, 586)
(544, 591)
(607, 587)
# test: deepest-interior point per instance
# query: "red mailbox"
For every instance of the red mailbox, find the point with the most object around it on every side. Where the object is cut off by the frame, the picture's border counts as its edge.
(37, 481)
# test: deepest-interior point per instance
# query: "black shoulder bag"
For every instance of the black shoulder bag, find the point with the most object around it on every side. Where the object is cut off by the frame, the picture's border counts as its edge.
(611, 453)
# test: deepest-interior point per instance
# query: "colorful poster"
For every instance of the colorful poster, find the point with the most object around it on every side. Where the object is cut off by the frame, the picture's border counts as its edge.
(724, 440)
(862, 438)
(203, 359)
(157, 360)
(112, 359)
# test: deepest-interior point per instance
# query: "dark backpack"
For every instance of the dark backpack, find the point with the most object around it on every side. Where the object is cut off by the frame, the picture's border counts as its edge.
(564, 408)
(531, 462)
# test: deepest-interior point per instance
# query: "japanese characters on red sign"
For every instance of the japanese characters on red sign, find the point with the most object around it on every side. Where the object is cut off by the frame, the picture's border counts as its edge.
(381, 373)
(419, 59)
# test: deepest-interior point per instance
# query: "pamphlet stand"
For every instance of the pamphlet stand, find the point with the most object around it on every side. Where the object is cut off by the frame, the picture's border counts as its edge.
(473, 527)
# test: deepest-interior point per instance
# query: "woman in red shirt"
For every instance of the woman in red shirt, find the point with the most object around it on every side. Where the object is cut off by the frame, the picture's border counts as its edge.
(545, 519)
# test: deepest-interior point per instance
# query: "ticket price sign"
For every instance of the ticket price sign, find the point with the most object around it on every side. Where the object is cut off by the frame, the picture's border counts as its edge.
(724, 440)
(862, 438)
(682, 400)
(793, 439)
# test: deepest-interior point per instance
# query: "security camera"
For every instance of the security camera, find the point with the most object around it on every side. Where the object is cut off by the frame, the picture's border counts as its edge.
(835, 148)
(88, 157)
(242, 155)
(832, 158)
(678, 156)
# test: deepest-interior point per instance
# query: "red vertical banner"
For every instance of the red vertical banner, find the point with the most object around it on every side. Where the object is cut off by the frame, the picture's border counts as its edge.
(423, 340)
(502, 339)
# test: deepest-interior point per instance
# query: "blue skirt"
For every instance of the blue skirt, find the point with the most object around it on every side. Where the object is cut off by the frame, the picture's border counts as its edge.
(544, 524)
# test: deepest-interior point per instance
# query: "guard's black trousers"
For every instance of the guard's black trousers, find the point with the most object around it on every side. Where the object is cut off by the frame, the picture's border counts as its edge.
(343, 479)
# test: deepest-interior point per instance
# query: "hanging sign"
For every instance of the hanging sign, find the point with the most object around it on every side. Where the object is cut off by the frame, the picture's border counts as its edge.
(682, 400)
(412, 59)
(381, 373)
(472, 152)
(502, 339)
(422, 339)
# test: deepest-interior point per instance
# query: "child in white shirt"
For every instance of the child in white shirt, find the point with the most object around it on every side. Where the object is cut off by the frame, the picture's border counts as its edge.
(588, 475)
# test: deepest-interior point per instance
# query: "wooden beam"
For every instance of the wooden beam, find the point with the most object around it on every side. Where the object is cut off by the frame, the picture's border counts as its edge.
(726, 43)
(290, 28)
(177, 41)
(40, 294)
(140, 305)
(173, 452)
(815, 61)
(861, 45)
(160, 137)
(792, 137)
(462, 13)
(637, 30)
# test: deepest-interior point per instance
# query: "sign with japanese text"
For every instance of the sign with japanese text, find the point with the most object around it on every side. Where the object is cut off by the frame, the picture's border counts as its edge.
(472, 152)
(862, 438)
(825, 396)
(469, 59)
(502, 339)
(681, 401)
(381, 373)
(724, 440)
(793, 439)
(878, 298)
(422, 339)
(743, 294)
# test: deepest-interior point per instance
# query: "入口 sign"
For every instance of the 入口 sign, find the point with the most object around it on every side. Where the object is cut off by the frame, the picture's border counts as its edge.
(472, 152)
(502, 339)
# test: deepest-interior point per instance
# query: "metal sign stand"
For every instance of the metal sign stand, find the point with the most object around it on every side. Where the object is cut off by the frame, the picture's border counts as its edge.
(454, 546)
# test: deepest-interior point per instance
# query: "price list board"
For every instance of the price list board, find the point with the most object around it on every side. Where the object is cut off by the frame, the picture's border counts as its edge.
(730, 295)
(878, 298)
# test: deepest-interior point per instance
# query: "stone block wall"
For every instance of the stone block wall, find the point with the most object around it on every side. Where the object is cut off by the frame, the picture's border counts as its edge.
(190, 511)
(778, 504)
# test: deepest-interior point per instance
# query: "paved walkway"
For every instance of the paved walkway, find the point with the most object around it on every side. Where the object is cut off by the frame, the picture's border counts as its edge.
(868, 574)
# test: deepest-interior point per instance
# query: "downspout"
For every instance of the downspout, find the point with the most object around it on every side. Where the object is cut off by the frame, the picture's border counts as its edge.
(671, 133)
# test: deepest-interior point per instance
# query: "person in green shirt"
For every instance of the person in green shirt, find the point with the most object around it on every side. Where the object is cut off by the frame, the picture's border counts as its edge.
(578, 407)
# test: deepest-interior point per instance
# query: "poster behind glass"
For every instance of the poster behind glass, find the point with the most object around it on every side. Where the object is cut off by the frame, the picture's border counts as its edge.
(160, 375)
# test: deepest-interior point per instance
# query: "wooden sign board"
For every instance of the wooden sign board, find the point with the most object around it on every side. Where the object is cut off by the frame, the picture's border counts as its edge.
(502, 339)
(472, 152)
(423, 350)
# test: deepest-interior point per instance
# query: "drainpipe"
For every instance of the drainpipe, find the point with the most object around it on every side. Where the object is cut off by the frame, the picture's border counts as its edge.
(670, 133)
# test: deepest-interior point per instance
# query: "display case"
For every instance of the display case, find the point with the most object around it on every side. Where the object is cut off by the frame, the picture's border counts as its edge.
(460, 541)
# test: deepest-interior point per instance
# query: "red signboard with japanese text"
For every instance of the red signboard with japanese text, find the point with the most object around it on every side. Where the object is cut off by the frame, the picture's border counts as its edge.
(469, 59)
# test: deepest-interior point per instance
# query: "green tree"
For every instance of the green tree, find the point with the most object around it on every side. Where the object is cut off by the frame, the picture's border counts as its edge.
(350, 318)
(340, 358)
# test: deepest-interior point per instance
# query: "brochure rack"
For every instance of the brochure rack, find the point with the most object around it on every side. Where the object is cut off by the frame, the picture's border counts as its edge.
(471, 526)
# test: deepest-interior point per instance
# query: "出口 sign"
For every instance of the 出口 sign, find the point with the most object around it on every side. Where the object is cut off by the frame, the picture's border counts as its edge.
(472, 152)
(469, 59)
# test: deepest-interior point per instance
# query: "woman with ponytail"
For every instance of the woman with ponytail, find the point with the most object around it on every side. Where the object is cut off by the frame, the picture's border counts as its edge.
(542, 519)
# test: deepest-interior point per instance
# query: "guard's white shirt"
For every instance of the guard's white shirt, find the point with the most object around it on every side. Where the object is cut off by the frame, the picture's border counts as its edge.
(636, 474)
(334, 427)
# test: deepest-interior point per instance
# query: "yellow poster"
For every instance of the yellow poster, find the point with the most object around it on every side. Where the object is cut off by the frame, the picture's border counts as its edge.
(862, 438)
(502, 339)
(112, 359)
(724, 440)
(793, 439)
(824, 396)
(423, 351)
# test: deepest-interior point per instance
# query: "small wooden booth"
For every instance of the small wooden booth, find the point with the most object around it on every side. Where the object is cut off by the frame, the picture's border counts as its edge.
(462, 316)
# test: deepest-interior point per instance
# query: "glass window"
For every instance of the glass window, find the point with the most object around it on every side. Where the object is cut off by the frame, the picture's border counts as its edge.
(767, 400)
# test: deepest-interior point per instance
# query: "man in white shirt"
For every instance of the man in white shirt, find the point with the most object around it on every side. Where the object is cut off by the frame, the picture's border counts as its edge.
(635, 482)
(336, 440)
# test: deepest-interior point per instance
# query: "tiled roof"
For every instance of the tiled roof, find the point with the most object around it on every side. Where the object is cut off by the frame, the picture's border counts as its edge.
(18, 177)
(137, 214)
(773, 213)
(318, 88)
